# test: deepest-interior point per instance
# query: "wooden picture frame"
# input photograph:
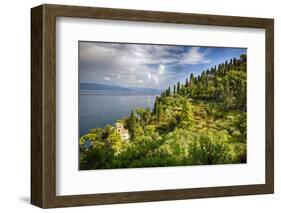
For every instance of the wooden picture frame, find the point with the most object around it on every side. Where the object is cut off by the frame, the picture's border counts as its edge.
(43, 105)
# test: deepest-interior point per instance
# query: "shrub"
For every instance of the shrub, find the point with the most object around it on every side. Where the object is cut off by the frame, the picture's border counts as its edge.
(210, 148)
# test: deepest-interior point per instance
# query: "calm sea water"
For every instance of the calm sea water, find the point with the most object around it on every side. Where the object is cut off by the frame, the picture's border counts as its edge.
(100, 108)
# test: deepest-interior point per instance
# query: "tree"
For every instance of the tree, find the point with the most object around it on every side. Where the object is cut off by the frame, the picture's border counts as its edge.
(144, 116)
(115, 140)
(226, 63)
(99, 152)
(132, 123)
(191, 80)
(98, 157)
(163, 95)
(195, 80)
(243, 57)
(210, 148)
(186, 119)
(178, 88)
(234, 63)
(227, 95)
(160, 113)
(231, 64)
(183, 89)
(168, 91)
(156, 103)
(219, 69)
(174, 89)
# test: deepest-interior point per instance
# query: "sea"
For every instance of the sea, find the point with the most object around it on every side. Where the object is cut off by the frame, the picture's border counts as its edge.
(98, 108)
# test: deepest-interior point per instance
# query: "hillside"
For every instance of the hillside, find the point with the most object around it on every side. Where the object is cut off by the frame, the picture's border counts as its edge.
(202, 121)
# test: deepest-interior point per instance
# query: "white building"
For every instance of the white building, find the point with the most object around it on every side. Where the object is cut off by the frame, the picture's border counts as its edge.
(124, 133)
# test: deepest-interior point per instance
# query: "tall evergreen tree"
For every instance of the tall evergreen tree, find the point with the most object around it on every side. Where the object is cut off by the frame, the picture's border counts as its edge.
(178, 88)
(227, 96)
(191, 80)
(186, 83)
(168, 91)
(243, 57)
(156, 103)
(132, 123)
(234, 63)
(160, 113)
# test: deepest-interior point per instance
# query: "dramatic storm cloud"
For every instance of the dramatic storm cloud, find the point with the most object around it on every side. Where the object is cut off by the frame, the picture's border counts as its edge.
(146, 66)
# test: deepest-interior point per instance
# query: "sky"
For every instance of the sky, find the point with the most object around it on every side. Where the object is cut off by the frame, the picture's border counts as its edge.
(146, 65)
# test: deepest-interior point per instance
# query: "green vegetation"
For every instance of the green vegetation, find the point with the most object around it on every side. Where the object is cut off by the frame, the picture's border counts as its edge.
(200, 122)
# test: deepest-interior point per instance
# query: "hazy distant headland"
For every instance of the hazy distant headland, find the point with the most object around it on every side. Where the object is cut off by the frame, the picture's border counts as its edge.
(103, 87)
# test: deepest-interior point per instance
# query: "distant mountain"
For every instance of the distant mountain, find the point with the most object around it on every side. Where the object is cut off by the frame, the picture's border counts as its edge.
(95, 86)
(145, 90)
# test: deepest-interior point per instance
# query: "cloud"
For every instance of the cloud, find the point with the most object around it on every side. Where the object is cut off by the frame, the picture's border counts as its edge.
(153, 78)
(135, 64)
(126, 64)
(194, 56)
(161, 69)
(107, 78)
(93, 52)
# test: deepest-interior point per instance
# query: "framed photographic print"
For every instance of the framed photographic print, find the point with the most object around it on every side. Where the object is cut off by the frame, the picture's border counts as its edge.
(136, 106)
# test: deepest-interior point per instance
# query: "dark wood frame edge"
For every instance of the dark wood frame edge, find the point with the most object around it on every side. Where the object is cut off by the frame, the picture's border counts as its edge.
(43, 105)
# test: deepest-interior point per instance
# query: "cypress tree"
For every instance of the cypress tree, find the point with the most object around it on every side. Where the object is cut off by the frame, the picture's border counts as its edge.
(132, 124)
(159, 114)
(178, 88)
(156, 103)
(168, 91)
(191, 80)
(186, 83)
